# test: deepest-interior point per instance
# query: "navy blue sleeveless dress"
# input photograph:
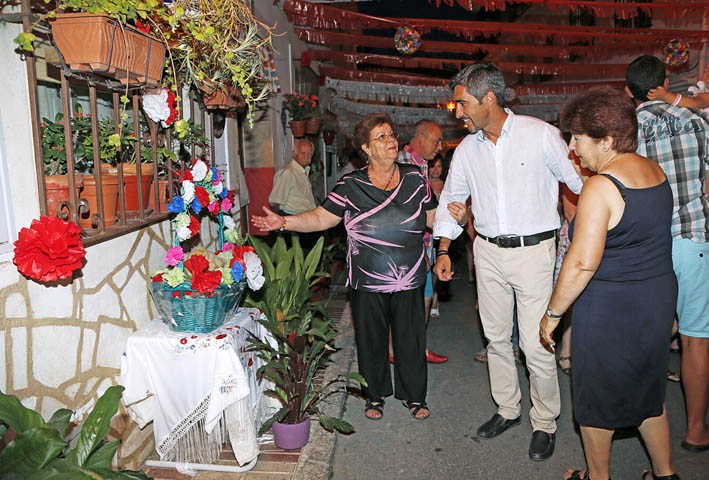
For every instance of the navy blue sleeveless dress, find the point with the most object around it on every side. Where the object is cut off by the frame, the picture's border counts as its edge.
(622, 321)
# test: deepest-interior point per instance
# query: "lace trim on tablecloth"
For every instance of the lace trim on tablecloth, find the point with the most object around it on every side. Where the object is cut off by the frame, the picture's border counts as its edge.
(189, 443)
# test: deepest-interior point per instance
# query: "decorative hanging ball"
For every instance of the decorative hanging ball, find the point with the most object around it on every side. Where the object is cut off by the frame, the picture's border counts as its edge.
(676, 52)
(407, 40)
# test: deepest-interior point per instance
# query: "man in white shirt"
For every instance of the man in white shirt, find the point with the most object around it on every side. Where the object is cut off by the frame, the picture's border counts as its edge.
(292, 193)
(510, 165)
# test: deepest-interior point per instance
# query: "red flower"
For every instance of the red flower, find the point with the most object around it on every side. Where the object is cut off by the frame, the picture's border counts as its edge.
(206, 282)
(194, 226)
(183, 341)
(157, 278)
(291, 337)
(172, 104)
(201, 194)
(186, 175)
(238, 254)
(197, 264)
(143, 27)
(50, 249)
(176, 294)
(230, 196)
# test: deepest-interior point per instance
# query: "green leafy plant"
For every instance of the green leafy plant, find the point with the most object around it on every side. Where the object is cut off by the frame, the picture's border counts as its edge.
(329, 123)
(39, 451)
(54, 143)
(303, 335)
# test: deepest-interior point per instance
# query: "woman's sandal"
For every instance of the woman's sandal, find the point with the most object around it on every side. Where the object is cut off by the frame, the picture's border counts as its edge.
(672, 376)
(674, 476)
(576, 475)
(566, 370)
(415, 408)
(376, 406)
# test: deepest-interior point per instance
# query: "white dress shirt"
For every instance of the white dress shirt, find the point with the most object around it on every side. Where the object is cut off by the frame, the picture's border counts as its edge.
(513, 184)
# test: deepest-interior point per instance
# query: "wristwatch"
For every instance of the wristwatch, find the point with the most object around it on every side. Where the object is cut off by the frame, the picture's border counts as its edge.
(551, 314)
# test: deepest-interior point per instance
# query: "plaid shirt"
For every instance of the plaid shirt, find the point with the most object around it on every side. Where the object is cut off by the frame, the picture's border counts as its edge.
(677, 139)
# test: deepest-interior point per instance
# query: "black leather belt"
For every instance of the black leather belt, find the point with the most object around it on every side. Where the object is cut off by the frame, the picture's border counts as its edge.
(513, 241)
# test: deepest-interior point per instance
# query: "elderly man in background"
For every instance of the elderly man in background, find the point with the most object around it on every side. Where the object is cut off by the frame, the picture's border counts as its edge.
(678, 140)
(424, 146)
(511, 166)
(292, 193)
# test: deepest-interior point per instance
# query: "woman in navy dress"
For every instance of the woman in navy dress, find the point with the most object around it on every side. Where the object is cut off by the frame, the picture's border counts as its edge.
(619, 272)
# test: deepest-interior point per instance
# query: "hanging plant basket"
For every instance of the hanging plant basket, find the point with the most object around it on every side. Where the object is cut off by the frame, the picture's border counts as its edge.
(298, 128)
(312, 125)
(95, 43)
(228, 98)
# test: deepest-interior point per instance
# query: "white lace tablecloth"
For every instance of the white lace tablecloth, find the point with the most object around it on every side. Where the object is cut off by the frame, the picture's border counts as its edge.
(196, 388)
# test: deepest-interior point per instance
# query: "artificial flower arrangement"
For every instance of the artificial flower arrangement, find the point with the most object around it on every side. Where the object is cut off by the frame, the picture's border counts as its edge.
(197, 291)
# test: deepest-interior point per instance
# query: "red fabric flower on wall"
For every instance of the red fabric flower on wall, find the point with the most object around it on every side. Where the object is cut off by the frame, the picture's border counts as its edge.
(197, 264)
(238, 254)
(206, 282)
(50, 249)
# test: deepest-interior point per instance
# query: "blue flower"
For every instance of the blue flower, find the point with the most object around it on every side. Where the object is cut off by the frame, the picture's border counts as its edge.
(237, 271)
(177, 205)
(215, 173)
(224, 192)
(196, 206)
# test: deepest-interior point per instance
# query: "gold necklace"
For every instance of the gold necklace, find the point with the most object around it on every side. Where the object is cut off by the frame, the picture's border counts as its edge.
(392, 176)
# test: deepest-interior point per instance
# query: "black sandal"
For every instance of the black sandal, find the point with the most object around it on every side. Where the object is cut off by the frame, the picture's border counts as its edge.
(415, 408)
(674, 476)
(576, 475)
(375, 406)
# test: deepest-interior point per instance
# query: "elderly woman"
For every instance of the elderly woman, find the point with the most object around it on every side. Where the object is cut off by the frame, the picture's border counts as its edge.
(386, 207)
(619, 271)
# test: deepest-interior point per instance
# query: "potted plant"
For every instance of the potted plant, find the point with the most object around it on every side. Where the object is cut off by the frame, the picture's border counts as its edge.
(299, 108)
(329, 129)
(301, 342)
(39, 449)
(314, 120)
(108, 38)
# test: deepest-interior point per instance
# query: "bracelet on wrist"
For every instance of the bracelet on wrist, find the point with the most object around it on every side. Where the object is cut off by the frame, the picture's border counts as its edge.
(443, 252)
(676, 100)
(283, 224)
(551, 314)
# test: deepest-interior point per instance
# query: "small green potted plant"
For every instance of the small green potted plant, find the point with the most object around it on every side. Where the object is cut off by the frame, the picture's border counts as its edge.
(39, 449)
(301, 342)
(299, 108)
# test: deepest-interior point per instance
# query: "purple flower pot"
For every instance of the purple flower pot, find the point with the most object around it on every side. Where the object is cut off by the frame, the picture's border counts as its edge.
(291, 436)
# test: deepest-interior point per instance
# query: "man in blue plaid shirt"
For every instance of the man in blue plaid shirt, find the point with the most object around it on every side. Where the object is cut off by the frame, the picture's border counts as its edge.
(678, 140)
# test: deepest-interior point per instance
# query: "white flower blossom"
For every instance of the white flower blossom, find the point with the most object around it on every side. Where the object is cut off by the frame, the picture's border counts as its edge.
(218, 188)
(183, 233)
(199, 171)
(187, 191)
(156, 107)
(254, 271)
(228, 222)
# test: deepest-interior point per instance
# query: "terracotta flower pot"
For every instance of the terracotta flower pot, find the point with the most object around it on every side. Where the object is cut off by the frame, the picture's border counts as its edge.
(291, 436)
(298, 128)
(162, 192)
(95, 43)
(58, 190)
(109, 184)
(222, 99)
(312, 125)
(328, 137)
(130, 187)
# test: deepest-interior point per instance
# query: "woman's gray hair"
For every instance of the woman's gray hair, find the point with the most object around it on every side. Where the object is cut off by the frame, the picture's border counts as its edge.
(480, 78)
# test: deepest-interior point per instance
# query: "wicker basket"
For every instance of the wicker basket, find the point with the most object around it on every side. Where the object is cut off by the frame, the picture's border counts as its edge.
(187, 310)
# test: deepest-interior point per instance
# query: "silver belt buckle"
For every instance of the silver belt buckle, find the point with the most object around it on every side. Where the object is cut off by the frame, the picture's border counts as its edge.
(505, 241)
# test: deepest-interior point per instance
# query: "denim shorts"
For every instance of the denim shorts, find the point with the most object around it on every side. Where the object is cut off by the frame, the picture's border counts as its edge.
(691, 265)
(428, 289)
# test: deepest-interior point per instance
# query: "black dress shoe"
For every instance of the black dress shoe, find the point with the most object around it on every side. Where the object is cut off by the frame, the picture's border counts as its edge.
(496, 425)
(542, 445)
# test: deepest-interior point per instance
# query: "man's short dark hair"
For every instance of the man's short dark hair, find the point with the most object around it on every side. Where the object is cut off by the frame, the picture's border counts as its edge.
(643, 74)
(480, 78)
